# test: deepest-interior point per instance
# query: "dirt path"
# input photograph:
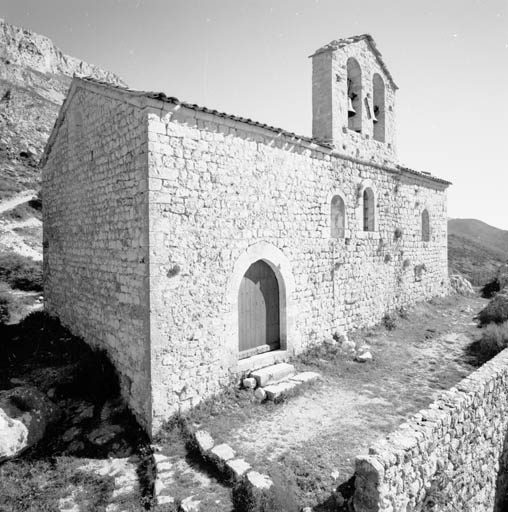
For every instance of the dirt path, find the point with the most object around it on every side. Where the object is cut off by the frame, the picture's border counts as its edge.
(21, 236)
(320, 432)
(22, 197)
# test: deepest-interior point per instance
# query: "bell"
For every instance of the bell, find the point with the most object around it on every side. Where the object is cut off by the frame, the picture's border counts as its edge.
(350, 110)
(374, 117)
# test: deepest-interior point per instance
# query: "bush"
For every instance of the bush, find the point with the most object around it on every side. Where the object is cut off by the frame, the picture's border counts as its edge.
(389, 322)
(36, 202)
(4, 308)
(496, 311)
(490, 289)
(494, 339)
(21, 272)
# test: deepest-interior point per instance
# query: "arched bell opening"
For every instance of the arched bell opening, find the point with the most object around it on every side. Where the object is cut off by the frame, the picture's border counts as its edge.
(354, 95)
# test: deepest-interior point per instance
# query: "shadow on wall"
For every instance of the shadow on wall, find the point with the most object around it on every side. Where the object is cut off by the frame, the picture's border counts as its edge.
(501, 498)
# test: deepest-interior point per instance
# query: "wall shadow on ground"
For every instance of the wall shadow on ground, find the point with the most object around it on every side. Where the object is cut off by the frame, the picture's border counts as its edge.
(501, 497)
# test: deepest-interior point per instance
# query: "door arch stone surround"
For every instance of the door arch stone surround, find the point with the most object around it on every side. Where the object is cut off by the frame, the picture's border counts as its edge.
(281, 266)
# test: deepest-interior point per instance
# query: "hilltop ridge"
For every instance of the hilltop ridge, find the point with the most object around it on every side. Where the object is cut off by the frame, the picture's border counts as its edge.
(476, 249)
(34, 78)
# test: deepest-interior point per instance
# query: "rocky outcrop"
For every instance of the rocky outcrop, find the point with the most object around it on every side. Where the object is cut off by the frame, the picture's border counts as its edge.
(34, 78)
(30, 50)
(25, 414)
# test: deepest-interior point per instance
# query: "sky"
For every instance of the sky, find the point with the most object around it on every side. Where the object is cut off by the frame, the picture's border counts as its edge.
(250, 58)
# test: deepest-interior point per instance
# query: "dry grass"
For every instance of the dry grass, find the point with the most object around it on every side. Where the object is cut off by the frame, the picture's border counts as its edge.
(496, 310)
(494, 339)
(320, 432)
(20, 272)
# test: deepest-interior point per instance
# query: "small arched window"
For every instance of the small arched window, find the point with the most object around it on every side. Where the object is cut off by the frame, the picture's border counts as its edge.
(354, 95)
(425, 226)
(378, 89)
(369, 210)
(337, 217)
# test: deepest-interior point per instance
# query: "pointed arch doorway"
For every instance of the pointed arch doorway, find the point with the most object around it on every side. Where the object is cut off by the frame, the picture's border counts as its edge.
(258, 311)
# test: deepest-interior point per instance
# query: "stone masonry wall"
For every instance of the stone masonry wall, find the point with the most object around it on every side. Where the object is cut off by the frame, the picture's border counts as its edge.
(219, 187)
(453, 454)
(330, 103)
(95, 235)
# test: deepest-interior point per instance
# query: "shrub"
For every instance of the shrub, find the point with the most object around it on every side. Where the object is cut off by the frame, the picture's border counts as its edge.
(21, 272)
(494, 339)
(4, 308)
(490, 289)
(389, 322)
(36, 202)
(495, 311)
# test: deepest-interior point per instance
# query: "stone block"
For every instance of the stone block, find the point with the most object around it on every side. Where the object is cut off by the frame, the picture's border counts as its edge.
(223, 452)
(306, 377)
(276, 391)
(237, 467)
(260, 394)
(204, 441)
(258, 481)
(273, 374)
(249, 383)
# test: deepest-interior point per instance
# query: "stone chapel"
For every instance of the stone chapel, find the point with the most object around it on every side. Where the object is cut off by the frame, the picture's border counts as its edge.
(195, 246)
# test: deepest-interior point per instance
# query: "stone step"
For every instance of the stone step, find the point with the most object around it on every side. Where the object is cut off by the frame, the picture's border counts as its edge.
(286, 387)
(273, 374)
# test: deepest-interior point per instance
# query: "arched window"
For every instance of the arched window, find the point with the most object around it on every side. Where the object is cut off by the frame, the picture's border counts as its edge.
(425, 226)
(354, 95)
(369, 210)
(378, 87)
(337, 217)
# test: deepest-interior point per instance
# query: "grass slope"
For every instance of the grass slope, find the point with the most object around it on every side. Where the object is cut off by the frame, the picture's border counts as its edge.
(476, 249)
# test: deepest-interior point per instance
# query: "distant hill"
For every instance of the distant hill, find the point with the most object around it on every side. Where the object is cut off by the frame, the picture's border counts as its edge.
(476, 249)
(34, 79)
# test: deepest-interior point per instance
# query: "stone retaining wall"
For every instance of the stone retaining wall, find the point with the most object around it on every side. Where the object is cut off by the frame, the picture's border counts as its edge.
(449, 457)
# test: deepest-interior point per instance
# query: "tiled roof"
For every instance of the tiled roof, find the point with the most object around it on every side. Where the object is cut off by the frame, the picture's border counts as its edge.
(341, 43)
(160, 96)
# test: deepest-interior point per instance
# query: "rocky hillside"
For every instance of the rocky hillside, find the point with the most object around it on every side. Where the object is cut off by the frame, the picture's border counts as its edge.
(476, 249)
(34, 78)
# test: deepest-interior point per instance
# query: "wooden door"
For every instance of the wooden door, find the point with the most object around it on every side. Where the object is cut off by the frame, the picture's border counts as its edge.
(258, 310)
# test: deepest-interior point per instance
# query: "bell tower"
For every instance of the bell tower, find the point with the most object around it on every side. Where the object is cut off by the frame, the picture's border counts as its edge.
(353, 99)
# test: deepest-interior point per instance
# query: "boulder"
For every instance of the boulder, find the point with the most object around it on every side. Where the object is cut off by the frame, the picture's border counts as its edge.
(364, 357)
(459, 284)
(25, 414)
